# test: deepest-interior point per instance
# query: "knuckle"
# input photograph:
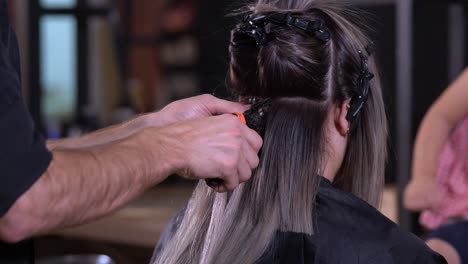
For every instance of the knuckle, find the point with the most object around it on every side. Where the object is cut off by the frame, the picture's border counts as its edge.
(231, 166)
(245, 176)
(259, 144)
(205, 97)
(225, 164)
(235, 131)
(255, 162)
(231, 185)
(257, 141)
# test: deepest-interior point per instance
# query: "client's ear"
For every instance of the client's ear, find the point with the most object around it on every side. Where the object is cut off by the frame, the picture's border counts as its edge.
(341, 123)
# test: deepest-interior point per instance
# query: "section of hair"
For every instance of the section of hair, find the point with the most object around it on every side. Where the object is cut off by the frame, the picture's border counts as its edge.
(280, 195)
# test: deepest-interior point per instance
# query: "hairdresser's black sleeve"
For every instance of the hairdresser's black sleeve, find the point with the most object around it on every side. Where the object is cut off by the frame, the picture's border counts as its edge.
(23, 155)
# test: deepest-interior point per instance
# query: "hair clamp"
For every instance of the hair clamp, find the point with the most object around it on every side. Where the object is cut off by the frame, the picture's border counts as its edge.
(254, 26)
(357, 102)
(315, 27)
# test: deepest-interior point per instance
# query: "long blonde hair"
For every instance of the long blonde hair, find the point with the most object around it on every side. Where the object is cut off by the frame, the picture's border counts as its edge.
(305, 77)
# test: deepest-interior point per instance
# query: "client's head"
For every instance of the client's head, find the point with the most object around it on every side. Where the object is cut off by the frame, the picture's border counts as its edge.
(326, 118)
(315, 64)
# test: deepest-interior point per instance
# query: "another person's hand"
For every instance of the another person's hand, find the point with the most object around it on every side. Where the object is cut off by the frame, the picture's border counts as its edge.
(198, 107)
(421, 194)
(213, 147)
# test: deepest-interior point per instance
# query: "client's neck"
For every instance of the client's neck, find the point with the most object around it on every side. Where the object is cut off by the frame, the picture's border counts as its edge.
(331, 169)
(336, 150)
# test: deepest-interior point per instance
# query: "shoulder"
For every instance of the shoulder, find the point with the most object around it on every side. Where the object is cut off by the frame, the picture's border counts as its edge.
(348, 224)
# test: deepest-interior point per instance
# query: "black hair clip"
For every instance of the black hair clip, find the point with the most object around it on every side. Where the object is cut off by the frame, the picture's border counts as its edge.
(254, 26)
(321, 31)
(315, 27)
(370, 49)
(256, 115)
(251, 100)
(357, 102)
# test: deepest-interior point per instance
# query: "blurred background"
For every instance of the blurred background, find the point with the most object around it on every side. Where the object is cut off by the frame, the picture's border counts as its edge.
(87, 64)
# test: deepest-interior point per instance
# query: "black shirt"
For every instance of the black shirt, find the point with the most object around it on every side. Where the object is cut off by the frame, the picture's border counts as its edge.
(23, 154)
(347, 231)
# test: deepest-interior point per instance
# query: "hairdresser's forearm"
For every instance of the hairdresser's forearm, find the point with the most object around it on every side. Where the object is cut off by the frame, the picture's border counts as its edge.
(422, 191)
(84, 184)
(432, 135)
(110, 134)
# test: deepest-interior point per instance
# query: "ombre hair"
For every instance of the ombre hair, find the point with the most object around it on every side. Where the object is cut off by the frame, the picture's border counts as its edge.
(305, 78)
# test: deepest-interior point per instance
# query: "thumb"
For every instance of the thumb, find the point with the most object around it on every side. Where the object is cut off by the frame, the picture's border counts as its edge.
(216, 106)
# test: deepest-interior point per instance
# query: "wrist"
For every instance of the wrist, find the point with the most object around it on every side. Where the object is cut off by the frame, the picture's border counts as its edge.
(166, 155)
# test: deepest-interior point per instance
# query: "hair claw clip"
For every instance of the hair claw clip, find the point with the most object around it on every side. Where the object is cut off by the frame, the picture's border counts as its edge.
(357, 102)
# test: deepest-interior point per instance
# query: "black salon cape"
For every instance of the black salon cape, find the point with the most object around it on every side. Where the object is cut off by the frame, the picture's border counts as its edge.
(23, 154)
(347, 231)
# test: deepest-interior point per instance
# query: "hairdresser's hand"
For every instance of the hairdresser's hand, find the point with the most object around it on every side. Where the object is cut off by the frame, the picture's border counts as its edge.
(198, 107)
(421, 194)
(215, 147)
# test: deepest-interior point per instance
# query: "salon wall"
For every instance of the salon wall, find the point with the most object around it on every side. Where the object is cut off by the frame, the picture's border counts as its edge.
(431, 56)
